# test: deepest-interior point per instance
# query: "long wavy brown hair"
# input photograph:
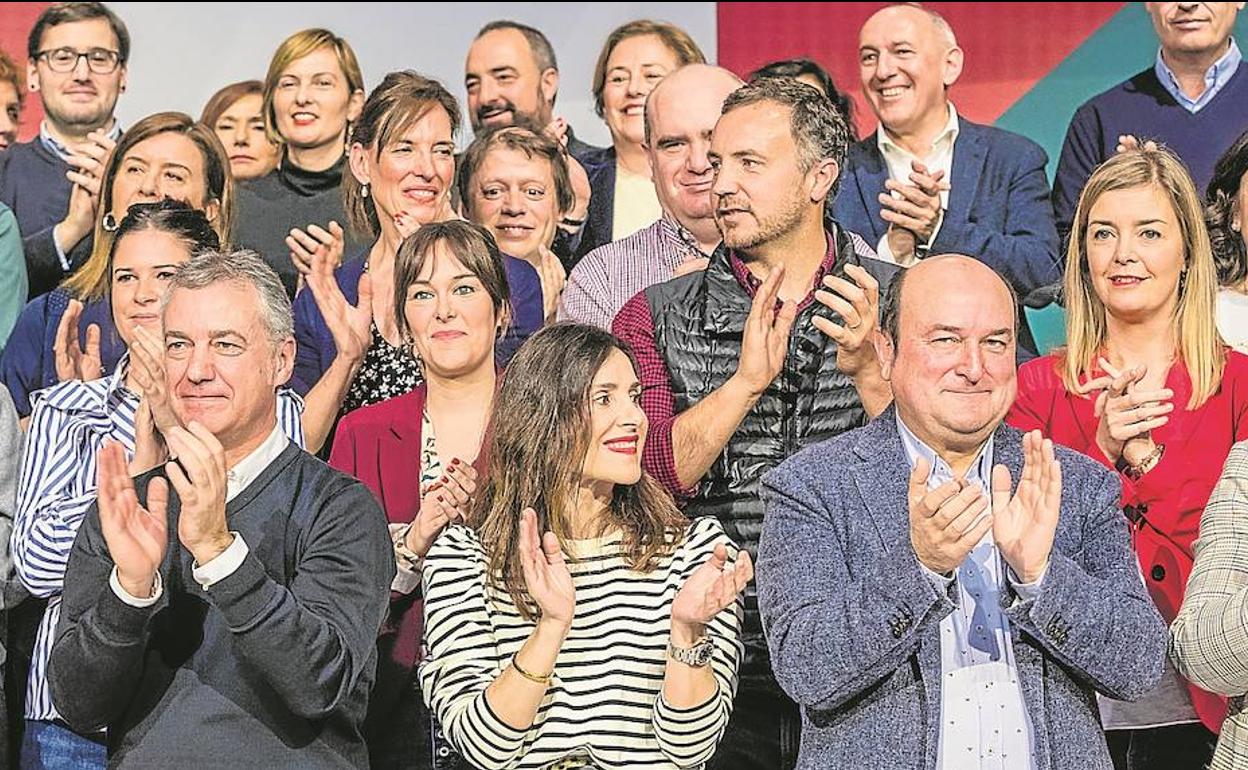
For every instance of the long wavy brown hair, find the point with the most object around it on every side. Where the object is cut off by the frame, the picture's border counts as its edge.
(538, 440)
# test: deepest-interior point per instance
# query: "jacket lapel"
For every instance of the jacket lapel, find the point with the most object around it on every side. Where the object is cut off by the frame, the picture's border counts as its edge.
(969, 152)
(869, 173)
(882, 477)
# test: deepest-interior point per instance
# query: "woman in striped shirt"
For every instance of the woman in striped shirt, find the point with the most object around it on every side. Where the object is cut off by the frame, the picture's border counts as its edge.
(583, 623)
(73, 419)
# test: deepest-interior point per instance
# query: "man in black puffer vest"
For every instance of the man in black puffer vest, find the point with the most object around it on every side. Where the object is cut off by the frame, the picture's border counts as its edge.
(745, 363)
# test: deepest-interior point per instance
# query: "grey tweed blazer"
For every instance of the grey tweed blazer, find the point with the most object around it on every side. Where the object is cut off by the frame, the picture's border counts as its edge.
(853, 623)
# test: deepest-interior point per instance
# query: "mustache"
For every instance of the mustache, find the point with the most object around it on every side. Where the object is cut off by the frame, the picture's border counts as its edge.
(503, 105)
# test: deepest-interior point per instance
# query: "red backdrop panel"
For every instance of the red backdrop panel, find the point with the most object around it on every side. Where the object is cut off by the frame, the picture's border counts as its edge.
(1009, 46)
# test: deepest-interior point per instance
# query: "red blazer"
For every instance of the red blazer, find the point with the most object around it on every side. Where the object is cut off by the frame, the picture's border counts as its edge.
(1165, 505)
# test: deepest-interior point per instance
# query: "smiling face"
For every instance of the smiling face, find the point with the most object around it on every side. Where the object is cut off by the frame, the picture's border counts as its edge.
(952, 367)
(79, 100)
(634, 68)
(241, 131)
(683, 112)
(1135, 253)
(760, 190)
(1194, 28)
(451, 317)
(905, 63)
(617, 425)
(220, 364)
(504, 84)
(313, 101)
(414, 172)
(513, 196)
(167, 165)
(143, 263)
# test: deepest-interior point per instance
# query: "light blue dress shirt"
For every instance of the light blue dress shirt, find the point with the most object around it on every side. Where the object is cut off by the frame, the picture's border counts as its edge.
(1216, 78)
(984, 723)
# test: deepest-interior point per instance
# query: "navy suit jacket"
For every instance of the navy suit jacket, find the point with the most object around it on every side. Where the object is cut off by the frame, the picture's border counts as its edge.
(853, 622)
(999, 208)
(599, 166)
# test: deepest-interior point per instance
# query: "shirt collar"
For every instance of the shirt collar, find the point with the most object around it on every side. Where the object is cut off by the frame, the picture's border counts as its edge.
(751, 282)
(1217, 76)
(250, 467)
(679, 236)
(979, 473)
(60, 150)
(886, 145)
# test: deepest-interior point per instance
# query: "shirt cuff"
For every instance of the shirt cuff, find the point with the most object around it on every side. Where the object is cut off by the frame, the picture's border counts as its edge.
(885, 252)
(1026, 591)
(223, 565)
(134, 601)
(940, 582)
(60, 253)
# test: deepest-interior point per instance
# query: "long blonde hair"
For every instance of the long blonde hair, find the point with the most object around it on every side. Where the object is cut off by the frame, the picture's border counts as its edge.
(1199, 345)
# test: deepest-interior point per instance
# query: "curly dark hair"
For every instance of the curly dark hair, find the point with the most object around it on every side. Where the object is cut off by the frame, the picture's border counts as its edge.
(1229, 255)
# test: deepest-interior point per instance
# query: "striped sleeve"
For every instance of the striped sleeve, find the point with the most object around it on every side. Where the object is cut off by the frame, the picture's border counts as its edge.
(463, 657)
(290, 415)
(51, 503)
(688, 737)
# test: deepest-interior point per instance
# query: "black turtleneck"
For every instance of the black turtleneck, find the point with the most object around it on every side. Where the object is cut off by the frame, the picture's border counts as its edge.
(288, 197)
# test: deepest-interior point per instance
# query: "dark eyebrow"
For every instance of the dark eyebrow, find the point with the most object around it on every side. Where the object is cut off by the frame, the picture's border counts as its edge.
(505, 69)
(459, 277)
(1153, 221)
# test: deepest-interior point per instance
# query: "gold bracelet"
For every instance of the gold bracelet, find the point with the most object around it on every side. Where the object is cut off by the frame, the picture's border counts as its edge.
(542, 680)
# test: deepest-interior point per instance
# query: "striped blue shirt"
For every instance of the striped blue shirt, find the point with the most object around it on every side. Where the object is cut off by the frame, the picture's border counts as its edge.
(69, 424)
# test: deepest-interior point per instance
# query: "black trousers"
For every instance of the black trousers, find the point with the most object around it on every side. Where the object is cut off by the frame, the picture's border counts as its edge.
(763, 733)
(1179, 747)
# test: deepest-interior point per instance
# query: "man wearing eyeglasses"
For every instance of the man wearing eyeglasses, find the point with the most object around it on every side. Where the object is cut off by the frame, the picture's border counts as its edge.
(77, 62)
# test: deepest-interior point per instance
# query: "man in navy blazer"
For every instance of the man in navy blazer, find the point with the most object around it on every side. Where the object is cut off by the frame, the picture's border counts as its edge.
(930, 181)
(922, 609)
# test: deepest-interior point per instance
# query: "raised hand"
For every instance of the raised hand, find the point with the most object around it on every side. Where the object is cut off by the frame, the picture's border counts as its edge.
(765, 341)
(553, 278)
(947, 522)
(913, 205)
(303, 245)
(444, 502)
(1023, 525)
(1128, 414)
(858, 305)
(137, 537)
(87, 162)
(349, 325)
(1129, 142)
(72, 361)
(147, 365)
(546, 573)
(709, 590)
(201, 489)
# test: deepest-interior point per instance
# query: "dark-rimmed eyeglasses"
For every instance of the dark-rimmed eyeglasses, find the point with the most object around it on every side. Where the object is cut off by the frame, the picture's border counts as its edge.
(101, 61)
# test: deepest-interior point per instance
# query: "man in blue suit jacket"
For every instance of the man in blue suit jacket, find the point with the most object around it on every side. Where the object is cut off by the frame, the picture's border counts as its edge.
(922, 610)
(931, 181)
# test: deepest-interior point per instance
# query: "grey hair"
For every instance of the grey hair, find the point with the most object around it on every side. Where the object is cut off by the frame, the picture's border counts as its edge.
(818, 128)
(245, 267)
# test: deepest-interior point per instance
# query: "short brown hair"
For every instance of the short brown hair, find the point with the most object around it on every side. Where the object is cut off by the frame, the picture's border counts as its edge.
(222, 100)
(676, 39)
(471, 244)
(394, 106)
(91, 280)
(65, 13)
(533, 144)
(296, 47)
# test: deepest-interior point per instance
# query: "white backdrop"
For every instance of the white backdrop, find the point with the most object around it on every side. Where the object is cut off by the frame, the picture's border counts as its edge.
(183, 52)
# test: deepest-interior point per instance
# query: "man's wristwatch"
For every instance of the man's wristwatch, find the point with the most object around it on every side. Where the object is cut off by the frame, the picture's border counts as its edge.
(697, 656)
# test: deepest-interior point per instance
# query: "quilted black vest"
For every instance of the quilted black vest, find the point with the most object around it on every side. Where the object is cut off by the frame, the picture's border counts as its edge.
(698, 322)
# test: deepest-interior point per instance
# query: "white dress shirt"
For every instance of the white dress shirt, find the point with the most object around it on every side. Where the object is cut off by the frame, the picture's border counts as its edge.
(899, 160)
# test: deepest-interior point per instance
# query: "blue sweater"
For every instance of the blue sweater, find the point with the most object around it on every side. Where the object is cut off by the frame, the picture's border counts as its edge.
(1143, 107)
(28, 363)
(33, 184)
